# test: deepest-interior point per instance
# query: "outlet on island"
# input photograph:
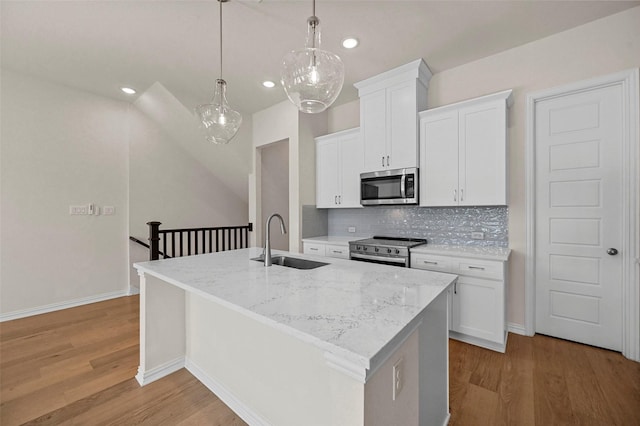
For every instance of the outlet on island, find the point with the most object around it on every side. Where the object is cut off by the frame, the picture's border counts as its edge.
(477, 235)
(352, 229)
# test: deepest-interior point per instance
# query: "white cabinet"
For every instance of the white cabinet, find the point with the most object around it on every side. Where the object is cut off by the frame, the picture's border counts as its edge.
(389, 105)
(338, 168)
(478, 299)
(338, 250)
(463, 153)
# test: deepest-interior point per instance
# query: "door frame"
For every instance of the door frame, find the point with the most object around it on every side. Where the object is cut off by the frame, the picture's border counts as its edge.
(630, 248)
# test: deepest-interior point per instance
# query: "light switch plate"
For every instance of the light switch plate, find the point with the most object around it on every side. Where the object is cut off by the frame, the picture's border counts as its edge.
(477, 235)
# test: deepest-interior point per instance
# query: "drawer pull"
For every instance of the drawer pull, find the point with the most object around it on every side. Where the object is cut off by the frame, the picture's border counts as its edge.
(313, 248)
(428, 262)
(480, 268)
(336, 251)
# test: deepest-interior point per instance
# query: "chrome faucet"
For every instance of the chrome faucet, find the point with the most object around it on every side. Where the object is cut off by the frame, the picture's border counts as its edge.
(267, 240)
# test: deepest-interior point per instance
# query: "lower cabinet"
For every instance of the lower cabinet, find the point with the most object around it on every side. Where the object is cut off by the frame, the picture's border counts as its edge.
(340, 251)
(477, 300)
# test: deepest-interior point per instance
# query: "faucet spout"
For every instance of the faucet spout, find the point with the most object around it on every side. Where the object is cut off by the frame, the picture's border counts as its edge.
(267, 240)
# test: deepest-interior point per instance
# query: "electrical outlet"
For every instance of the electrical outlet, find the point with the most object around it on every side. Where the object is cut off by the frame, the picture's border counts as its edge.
(352, 229)
(108, 210)
(477, 235)
(78, 210)
(398, 379)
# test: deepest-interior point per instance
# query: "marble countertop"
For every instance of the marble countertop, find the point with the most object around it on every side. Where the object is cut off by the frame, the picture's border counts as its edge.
(475, 252)
(356, 311)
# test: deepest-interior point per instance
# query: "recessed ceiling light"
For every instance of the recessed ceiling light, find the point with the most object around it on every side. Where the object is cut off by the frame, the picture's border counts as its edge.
(350, 42)
(128, 90)
(268, 84)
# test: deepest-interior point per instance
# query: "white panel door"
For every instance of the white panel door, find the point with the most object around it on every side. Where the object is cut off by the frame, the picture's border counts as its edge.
(402, 140)
(439, 159)
(351, 166)
(578, 170)
(327, 178)
(482, 176)
(373, 112)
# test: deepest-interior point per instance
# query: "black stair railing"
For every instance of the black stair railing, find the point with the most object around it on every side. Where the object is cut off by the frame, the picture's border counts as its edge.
(190, 241)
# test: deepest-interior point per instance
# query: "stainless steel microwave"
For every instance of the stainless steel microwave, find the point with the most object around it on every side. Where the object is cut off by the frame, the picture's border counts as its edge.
(399, 186)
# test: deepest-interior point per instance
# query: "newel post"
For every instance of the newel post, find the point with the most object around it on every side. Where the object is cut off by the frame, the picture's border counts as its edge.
(154, 240)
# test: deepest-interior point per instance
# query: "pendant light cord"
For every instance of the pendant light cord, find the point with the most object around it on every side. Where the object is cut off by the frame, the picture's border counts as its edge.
(220, 1)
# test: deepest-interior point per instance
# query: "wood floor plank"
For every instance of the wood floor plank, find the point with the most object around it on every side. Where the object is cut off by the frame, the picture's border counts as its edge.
(515, 391)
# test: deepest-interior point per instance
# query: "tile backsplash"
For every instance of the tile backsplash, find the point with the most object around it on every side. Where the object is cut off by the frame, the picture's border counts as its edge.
(439, 225)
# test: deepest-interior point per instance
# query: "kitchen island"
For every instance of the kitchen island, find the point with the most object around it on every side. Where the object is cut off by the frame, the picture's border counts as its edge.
(285, 346)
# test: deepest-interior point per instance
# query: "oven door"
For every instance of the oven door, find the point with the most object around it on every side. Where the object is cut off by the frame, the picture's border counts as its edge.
(393, 261)
(389, 187)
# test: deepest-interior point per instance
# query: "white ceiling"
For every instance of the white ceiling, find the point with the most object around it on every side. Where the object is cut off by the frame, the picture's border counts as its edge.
(101, 45)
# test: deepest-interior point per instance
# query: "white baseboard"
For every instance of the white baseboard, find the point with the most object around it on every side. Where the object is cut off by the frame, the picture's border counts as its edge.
(148, 376)
(61, 305)
(516, 328)
(246, 413)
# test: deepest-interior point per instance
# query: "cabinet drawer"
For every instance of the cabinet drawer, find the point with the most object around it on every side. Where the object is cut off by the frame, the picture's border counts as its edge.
(480, 269)
(431, 263)
(341, 252)
(314, 248)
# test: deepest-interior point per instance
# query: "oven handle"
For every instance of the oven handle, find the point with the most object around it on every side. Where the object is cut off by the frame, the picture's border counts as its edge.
(403, 186)
(380, 258)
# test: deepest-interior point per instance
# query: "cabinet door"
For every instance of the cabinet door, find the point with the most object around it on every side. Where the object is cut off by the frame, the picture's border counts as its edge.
(350, 167)
(483, 155)
(402, 126)
(439, 159)
(373, 130)
(327, 173)
(478, 308)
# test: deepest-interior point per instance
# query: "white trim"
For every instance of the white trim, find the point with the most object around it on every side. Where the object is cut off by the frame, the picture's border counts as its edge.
(477, 341)
(348, 368)
(62, 305)
(226, 396)
(629, 81)
(144, 377)
(514, 328)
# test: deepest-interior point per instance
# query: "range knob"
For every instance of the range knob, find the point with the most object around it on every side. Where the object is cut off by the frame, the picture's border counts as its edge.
(397, 251)
(365, 248)
(358, 247)
(388, 250)
(377, 250)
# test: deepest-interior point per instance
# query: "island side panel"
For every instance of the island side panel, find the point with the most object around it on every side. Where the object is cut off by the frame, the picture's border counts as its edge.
(162, 329)
(265, 375)
(434, 363)
(381, 409)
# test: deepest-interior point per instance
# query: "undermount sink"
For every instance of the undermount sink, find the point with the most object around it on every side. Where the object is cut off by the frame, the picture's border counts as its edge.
(293, 262)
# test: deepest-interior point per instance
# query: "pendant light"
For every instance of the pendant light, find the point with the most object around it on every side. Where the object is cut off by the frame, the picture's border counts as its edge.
(311, 77)
(218, 120)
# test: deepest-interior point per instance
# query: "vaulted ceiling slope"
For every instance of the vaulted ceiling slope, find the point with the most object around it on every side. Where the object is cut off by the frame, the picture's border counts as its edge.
(101, 45)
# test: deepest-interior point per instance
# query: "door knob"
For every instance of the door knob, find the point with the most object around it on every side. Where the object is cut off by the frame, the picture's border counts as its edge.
(612, 251)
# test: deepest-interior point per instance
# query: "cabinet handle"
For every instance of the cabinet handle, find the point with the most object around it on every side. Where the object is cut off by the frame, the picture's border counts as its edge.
(335, 199)
(428, 262)
(480, 268)
(313, 249)
(383, 161)
(455, 195)
(461, 194)
(455, 287)
(336, 251)
(387, 161)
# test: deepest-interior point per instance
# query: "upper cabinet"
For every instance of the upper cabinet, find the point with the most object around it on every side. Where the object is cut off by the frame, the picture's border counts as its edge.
(389, 105)
(338, 168)
(463, 152)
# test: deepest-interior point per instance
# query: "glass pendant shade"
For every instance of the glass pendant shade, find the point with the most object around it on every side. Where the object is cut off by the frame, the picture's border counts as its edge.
(311, 77)
(219, 122)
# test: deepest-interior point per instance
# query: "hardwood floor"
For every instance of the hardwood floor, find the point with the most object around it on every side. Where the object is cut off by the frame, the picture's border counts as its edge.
(76, 367)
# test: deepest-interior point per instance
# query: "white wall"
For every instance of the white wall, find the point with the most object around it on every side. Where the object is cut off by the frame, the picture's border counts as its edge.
(604, 46)
(279, 122)
(60, 147)
(275, 189)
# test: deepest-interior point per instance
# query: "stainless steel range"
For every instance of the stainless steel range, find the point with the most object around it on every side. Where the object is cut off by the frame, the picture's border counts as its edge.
(386, 250)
